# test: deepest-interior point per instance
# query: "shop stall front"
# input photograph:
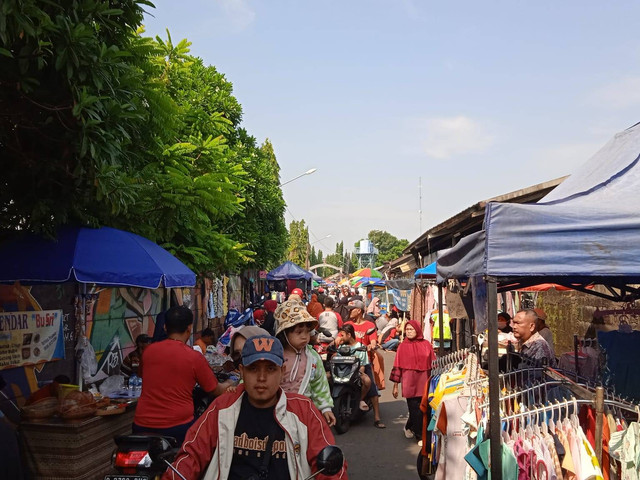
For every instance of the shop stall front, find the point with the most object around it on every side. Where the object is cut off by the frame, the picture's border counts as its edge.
(72, 307)
(584, 232)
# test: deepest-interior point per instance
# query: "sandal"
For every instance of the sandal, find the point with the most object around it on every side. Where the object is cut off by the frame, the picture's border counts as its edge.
(379, 424)
(363, 406)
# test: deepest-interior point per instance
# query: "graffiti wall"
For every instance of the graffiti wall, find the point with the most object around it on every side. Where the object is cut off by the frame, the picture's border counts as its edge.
(115, 319)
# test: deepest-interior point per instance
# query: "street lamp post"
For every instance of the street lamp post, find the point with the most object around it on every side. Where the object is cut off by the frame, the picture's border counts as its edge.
(308, 172)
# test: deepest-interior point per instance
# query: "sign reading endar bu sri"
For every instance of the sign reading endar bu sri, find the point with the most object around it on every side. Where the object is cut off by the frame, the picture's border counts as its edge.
(27, 338)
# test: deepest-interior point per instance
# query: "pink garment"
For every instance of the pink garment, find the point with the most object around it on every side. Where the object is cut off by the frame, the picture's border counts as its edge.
(288, 383)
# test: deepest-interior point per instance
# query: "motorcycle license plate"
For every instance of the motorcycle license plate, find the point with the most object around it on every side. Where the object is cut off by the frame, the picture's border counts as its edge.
(126, 477)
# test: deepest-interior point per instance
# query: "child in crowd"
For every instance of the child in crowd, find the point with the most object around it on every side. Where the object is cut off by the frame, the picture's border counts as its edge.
(347, 336)
(304, 372)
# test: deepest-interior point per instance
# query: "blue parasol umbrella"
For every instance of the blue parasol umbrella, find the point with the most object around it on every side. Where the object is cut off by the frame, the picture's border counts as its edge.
(105, 256)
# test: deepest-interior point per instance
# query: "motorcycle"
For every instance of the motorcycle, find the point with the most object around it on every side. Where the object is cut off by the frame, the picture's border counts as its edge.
(346, 385)
(147, 457)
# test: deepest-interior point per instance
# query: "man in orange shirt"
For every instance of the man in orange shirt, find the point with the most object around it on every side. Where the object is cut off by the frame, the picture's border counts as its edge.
(207, 337)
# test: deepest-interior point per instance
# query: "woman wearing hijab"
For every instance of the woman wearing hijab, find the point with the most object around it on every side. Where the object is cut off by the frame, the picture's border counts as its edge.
(412, 368)
(373, 309)
(315, 308)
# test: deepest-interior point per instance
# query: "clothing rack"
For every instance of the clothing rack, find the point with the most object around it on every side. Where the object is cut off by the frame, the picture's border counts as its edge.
(447, 361)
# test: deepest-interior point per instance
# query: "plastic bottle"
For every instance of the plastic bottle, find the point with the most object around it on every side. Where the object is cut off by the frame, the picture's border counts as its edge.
(133, 381)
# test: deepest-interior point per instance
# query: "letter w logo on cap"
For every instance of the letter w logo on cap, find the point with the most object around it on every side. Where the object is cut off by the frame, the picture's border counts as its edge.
(263, 344)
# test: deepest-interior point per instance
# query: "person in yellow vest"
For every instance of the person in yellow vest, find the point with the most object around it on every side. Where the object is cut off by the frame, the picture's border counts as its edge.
(446, 327)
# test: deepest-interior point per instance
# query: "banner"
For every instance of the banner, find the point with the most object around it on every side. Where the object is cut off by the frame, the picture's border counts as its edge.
(401, 298)
(28, 338)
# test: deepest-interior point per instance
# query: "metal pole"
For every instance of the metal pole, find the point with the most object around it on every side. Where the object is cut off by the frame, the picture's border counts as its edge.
(494, 379)
(599, 415)
(441, 321)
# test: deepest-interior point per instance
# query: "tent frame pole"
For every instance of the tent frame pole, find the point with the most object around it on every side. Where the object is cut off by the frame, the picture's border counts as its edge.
(494, 379)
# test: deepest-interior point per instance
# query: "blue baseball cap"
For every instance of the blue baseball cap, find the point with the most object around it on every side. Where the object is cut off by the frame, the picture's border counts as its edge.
(262, 347)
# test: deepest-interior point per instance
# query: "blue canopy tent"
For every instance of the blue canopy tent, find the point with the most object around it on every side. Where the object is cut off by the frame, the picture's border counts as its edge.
(289, 271)
(584, 231)
(104, 256)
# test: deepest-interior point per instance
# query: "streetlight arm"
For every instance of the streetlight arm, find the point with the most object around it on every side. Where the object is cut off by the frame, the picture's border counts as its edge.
(308, 172)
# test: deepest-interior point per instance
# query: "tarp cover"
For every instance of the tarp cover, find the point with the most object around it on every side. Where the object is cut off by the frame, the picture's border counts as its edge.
(105, 256)
(289, 271)
(428, 271)
(586, 228)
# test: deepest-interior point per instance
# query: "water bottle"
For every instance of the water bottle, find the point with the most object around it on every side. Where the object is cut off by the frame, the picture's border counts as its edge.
(133, 382)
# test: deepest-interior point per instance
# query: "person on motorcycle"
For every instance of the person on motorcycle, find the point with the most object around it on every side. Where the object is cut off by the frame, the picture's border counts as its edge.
(329, 321)
(170, 370)
(361, 327)
(304, 372)
(259, 431)
(347, 336)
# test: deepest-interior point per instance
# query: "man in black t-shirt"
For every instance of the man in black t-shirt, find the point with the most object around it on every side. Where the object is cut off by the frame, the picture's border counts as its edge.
(250, 443)
(258, 431)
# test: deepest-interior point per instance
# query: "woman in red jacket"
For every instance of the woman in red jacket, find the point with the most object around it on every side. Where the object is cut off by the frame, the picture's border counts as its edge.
(412, 368)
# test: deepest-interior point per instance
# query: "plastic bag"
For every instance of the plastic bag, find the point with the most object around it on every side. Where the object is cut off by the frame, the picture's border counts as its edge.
(87, 357)
(111, 384)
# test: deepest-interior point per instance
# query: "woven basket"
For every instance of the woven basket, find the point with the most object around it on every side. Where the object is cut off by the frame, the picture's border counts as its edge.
(43, 408)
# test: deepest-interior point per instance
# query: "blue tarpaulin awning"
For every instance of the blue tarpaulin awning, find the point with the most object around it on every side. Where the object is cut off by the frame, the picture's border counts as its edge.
(428, 271)
(586, 229)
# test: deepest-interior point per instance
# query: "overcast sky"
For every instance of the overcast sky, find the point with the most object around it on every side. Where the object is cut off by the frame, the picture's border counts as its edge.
(476, 98)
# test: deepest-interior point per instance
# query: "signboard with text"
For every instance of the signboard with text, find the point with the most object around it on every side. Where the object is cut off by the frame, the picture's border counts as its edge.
(28, 338)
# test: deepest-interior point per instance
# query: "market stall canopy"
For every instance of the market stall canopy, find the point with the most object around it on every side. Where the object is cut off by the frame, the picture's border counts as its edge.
(288, 271)
(105, 256)
(367, 272)
(370, 282)
(586, 230)
(428, 271)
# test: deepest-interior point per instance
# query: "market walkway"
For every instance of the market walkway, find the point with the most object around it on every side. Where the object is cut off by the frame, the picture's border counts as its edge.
(375, 454)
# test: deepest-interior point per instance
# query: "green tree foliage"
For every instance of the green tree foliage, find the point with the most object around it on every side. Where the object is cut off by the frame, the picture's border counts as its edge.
(298, 242)
(73, 104)
(101, 126)
(389, 247)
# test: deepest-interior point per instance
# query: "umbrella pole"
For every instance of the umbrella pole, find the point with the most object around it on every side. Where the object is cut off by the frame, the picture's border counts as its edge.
(83, 329)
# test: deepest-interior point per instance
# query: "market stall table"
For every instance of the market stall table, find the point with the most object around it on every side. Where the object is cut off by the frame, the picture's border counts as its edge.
(58, 449)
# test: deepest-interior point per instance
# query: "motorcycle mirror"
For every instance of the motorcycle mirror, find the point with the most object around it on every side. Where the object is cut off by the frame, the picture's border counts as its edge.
(344, 349)
(330, 460)
(370, 331)
(326, 333)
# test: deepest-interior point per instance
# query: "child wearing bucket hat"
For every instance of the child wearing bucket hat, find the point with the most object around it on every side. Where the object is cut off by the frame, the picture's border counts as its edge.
(304, 372)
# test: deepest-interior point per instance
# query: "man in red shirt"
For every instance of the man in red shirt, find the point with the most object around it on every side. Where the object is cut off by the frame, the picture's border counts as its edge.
(170, 370)
(361, 326)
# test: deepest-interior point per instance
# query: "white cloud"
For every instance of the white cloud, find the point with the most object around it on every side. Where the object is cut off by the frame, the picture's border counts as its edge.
(450, 136)
(238, 12)
(623, 93)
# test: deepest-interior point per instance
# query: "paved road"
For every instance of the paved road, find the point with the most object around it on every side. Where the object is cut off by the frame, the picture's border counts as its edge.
(383, 454)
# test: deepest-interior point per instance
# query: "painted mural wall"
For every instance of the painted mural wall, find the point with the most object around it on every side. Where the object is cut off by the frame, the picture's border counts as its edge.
(114, 318)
